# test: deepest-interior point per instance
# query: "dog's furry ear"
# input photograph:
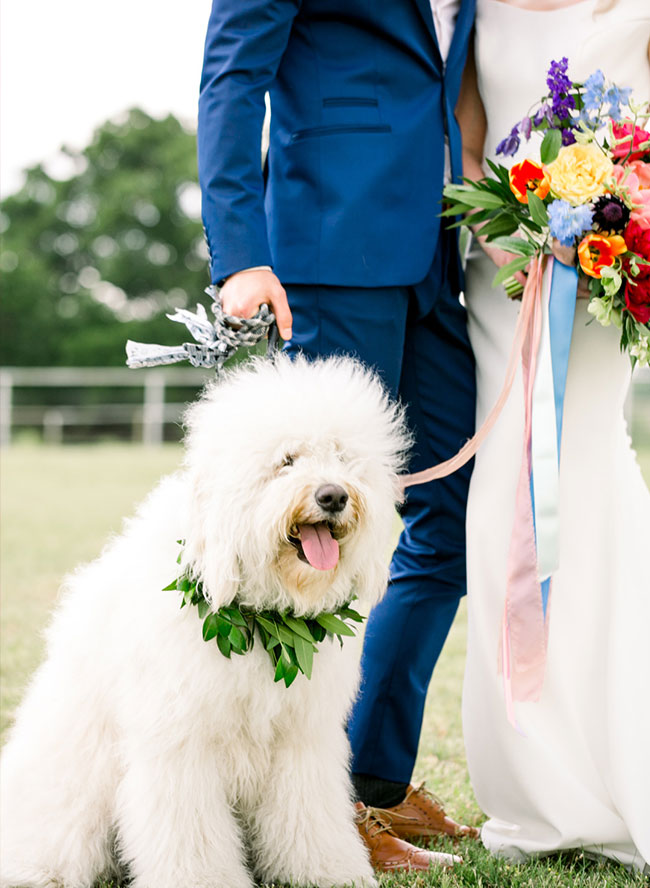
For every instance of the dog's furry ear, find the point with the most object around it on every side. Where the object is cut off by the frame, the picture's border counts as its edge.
(210, 551)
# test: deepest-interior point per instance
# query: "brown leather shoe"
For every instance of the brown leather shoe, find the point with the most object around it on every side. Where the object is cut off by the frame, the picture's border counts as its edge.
(388, 853)
(421, 816)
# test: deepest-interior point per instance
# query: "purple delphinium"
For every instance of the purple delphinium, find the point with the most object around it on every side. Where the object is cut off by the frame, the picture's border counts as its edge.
(544, 113)
(560, 86)
(510, 145)
(555, 111)
(562, 106)
(567, 222)
(556, 79)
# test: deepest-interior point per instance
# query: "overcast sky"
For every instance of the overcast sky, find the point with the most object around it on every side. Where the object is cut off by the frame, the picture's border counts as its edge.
(68, 65)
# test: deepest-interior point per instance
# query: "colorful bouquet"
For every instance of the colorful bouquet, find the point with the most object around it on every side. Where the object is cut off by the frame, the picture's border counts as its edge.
(589, 190)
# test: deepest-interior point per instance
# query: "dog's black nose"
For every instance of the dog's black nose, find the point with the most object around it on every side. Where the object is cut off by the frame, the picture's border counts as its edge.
(331, 497)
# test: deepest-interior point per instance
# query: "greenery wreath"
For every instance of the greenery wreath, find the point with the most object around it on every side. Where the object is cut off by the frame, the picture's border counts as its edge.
(290, 641)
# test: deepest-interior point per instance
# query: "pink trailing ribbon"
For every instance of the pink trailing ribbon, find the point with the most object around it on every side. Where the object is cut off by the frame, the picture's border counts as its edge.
(529, 315)
(522, 654)
(523, 641)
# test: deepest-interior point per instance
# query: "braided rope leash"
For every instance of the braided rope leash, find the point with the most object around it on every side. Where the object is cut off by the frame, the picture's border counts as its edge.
(215, 341)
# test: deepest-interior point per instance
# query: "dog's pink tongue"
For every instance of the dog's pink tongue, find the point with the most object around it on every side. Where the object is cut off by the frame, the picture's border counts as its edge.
(320, 548)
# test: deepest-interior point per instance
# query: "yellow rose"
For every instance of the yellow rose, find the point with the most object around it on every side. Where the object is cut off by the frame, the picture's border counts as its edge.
(579, 173)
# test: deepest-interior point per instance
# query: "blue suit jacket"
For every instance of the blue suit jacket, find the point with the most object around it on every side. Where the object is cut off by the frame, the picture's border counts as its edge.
(360, 104)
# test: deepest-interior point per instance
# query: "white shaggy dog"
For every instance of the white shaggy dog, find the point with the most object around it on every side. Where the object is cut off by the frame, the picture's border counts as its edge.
(138, 741)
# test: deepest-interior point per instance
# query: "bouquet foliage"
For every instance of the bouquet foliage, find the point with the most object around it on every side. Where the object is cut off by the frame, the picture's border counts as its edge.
(588, 189)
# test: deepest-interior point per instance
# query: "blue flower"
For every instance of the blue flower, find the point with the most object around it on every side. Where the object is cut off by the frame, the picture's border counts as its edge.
(615, 97)
(510, 145)
(526, 127)
(597, 95)
(567, 222)
(592, 121)
(594, 91)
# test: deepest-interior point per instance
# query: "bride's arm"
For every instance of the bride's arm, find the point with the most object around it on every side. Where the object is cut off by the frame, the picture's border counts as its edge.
(470, 114)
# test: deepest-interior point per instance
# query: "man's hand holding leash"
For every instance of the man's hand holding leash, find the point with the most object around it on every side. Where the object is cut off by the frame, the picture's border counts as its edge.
(244, 292)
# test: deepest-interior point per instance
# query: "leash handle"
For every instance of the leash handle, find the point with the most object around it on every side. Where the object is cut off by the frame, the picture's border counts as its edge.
(214, 341)
(273, 339)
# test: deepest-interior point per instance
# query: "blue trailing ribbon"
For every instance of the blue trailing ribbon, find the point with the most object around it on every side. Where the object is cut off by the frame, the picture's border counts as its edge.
(558, 313)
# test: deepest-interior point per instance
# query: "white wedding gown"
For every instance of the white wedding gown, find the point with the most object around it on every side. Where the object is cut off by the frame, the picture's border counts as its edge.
(581, 775)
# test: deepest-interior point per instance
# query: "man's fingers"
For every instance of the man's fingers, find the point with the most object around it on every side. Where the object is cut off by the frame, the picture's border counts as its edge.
(241, 298)
(282, 312)
(244, 293)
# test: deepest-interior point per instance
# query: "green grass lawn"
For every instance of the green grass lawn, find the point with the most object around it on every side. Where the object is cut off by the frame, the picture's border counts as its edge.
(59, 507)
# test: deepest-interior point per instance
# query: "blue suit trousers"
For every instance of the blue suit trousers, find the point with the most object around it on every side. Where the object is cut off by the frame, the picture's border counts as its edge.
(416, 338)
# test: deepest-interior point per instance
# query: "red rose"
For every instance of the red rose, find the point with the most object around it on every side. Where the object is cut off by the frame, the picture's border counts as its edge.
(638, 241)
(637, 299)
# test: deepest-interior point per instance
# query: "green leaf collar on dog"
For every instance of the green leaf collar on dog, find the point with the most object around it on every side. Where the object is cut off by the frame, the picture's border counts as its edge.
(290, 641)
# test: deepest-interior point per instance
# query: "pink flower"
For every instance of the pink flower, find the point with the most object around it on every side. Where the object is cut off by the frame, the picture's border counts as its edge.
(628, 132)
(641, 170)
(629, 185)
(641, 213)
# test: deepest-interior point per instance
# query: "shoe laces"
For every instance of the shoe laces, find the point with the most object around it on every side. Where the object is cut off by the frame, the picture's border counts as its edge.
(373, 822)
(396, 815)
(426, 792)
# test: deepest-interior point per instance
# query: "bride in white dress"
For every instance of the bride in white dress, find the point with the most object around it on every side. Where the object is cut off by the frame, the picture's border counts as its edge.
(580, 777)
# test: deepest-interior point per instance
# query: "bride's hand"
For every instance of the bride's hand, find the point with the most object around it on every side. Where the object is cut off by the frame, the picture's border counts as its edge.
(501, 258)
(567, 256)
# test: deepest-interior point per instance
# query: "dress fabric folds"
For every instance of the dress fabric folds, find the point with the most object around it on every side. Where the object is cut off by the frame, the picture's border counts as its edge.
(580, 777)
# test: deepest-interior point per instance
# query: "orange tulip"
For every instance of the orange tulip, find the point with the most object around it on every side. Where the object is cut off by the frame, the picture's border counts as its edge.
(597, 252)
(528, 176)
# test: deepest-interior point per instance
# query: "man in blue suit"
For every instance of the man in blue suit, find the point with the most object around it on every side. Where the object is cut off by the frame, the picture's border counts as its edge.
(343, 221)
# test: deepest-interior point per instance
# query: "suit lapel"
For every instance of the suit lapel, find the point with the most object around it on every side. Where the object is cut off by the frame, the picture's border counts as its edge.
(464, 21)
(424, 8)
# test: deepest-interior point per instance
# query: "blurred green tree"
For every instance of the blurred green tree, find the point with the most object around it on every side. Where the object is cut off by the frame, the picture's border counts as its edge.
(101, 256)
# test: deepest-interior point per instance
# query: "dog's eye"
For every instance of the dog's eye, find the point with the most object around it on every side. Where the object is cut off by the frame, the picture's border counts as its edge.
(288, 460)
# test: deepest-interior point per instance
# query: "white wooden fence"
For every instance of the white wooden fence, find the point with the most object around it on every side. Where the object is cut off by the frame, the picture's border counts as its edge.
(148, 418)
